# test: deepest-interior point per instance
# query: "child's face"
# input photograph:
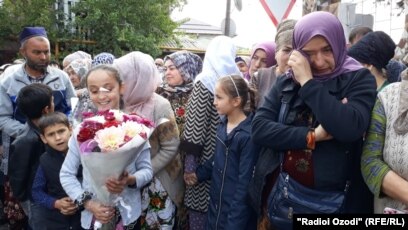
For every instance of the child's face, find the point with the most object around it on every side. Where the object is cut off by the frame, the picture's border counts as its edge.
(104, 90)
(223, 102)
(57, 136)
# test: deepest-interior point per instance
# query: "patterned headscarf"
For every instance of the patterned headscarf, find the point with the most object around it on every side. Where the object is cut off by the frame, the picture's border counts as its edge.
(325, 24)
(80, 67)
(219, 61)
(141, 78)
(103, 58)
(187, 63)
(76, 55)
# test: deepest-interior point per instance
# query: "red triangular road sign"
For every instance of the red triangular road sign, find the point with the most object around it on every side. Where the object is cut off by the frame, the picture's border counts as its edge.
(277, 9)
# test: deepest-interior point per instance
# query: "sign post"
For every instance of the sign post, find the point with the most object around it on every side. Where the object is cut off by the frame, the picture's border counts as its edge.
(277, 10)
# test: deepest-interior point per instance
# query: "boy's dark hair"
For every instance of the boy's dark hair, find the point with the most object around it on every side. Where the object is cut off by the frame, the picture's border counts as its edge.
(33, 98)
(52, 119)
(54, 62)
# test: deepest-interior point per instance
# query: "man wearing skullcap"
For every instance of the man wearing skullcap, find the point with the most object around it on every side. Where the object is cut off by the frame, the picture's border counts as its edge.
(374, 51)
(242, 63)
(35, 49)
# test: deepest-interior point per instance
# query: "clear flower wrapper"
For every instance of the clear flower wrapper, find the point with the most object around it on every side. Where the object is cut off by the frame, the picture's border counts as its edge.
(108, 144)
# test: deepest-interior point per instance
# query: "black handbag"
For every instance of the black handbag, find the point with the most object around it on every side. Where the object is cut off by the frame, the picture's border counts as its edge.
(289, 197)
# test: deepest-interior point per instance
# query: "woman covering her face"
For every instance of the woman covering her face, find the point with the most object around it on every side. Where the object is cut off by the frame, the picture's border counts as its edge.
(329, 97)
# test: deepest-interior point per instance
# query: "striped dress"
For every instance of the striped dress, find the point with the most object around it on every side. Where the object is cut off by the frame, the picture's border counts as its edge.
(198, 139)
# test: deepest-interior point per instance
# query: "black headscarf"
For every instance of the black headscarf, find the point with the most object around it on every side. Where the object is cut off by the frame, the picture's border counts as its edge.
(376, 48)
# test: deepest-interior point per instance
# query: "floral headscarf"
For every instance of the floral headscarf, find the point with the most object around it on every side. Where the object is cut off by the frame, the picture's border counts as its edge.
(103, 58)
(141, 78)
(325, 24)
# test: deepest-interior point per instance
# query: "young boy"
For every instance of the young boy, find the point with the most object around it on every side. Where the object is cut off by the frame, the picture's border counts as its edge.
(34, 101)
(57, 210)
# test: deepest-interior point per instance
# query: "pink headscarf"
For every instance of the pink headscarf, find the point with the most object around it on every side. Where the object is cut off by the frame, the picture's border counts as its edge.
(140, 78)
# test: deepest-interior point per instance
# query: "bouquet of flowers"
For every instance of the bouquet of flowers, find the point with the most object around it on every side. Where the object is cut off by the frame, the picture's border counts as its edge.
(110, 138)
(388, 210)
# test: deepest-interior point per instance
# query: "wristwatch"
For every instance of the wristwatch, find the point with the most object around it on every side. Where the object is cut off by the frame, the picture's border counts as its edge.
(80, 202)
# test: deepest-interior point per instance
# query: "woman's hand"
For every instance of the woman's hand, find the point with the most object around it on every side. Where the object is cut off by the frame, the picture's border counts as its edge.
(321, 134)
(190, 179)
(116, 186)
(300, 67)
(101, 212)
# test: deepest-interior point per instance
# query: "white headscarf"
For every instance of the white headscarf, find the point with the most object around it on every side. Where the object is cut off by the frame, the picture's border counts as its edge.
(219, 61)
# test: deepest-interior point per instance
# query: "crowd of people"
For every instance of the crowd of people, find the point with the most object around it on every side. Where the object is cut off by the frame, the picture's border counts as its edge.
(329, 113)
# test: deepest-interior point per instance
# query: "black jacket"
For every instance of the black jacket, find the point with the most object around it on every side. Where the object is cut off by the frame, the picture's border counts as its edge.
(333, 160)
(24, 158)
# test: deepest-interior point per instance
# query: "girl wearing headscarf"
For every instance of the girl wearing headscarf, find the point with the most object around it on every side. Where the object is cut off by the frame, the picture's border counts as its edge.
(262, 56)
(165, 192)
(374, 51)
(383, 163)
(265, 78)
(198, 138)
(329, 96)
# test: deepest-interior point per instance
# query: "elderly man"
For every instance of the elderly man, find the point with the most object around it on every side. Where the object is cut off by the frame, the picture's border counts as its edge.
(35, 48)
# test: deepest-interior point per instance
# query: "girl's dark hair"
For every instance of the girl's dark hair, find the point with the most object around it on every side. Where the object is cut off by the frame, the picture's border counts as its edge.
(114, 72)
(240, 89)
(52, 119)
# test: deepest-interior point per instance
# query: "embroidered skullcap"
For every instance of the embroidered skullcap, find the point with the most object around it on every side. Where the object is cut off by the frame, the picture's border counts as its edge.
(29, 32)
(189, 64)
(103, 58)
(238, 59)
(376, 48)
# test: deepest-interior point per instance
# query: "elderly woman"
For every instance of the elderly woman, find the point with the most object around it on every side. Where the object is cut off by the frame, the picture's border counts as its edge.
(161, 197)
(374, 51)
(73, 56)
(385, 150)
(77, 71)
(265, 78)
(319, 130)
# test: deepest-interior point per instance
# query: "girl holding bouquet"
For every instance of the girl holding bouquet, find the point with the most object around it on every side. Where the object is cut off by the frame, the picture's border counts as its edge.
(105, 89)
(161, 197)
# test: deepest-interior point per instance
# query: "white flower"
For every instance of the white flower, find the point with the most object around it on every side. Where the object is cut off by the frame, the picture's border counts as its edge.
(110, 139)
(131, 128)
